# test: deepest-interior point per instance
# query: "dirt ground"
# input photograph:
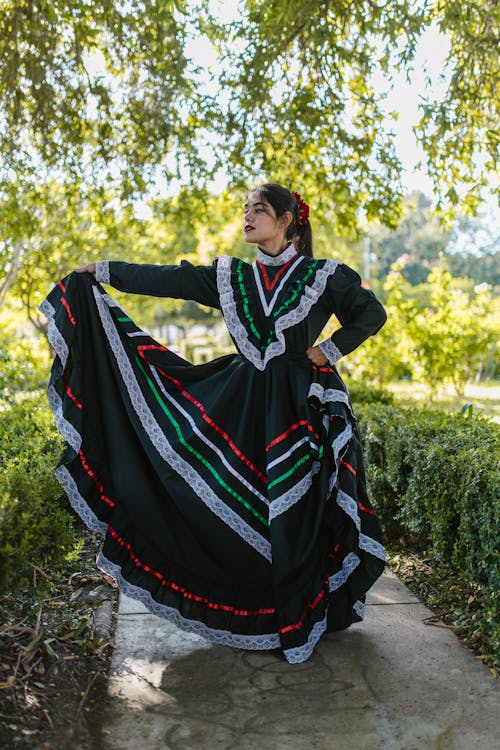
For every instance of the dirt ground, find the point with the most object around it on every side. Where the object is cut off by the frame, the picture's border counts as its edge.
(55, 650)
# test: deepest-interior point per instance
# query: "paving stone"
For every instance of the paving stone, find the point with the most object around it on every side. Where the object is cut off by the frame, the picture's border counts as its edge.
(393, 682)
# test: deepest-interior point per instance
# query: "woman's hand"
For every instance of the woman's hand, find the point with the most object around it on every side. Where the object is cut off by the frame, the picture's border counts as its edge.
(316, 356)
(89, 268)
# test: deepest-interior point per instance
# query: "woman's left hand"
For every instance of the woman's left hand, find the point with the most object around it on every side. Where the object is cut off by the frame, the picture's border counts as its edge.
(316, 356)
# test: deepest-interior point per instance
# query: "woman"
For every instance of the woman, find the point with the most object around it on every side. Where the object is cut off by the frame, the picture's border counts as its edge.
(231, 494)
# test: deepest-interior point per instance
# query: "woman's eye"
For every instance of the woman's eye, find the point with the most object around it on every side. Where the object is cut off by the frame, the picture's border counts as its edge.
(255, 209)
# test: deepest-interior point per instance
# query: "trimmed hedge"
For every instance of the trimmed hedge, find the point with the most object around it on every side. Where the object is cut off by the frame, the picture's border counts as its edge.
(433, 478)
(361, 393)
(36, 521)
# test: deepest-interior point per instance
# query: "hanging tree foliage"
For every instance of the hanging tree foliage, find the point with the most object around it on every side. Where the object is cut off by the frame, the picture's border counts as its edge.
(302, 102)
(460, 133)
(123, 117)
(293, 96)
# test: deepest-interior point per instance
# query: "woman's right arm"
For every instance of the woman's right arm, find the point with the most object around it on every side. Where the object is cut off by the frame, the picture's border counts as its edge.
(185, 281)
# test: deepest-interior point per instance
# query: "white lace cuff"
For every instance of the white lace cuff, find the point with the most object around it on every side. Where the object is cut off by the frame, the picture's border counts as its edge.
(102, 271)
(330, 351)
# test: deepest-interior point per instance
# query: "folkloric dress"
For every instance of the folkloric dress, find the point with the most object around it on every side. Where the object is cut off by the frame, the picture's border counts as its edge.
(231, 495)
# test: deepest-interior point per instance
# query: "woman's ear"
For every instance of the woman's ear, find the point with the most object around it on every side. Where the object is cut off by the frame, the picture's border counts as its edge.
(286, 219)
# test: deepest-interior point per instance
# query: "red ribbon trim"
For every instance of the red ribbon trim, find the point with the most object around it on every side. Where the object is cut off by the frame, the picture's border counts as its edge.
(301, 423)
(68, 310)
(297, 625)
(205, 416)
(348, 467)
(271, 284)
(183, 591)
(98, 484)
(72, 396)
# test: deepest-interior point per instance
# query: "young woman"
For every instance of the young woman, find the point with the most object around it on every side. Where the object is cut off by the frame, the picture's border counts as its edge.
(231, 495)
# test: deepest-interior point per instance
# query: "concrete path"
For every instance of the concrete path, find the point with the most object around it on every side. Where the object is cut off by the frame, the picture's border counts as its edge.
(393, 682)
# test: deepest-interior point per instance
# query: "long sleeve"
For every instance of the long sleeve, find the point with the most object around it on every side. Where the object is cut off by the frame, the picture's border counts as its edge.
(185, 281)
(357, 309)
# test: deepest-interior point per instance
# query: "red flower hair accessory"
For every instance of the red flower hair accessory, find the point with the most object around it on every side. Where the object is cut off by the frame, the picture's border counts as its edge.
(303, 208)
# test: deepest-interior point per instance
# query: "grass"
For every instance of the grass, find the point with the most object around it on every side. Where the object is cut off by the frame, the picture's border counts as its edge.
(484, 397)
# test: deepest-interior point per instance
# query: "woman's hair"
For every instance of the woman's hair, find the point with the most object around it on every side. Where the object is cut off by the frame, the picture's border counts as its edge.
(283, 200)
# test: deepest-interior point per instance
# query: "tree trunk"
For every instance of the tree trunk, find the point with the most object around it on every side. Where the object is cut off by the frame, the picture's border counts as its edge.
(10, 274)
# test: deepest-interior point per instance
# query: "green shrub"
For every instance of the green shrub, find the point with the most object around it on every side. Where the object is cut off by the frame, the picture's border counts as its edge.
(23, 364)
(434, 480)
(36, 522)
(363, 393)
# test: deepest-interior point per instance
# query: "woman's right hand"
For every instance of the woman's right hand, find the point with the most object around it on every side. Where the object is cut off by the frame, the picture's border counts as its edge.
(89, 268)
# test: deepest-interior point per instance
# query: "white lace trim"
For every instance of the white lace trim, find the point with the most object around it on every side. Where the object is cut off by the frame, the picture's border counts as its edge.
(331, 352)
(206, 440)
(69, 433)
(366, 543)
(338, 445)
(110, 301)
(237, 329)
(223, 637)
(294, 494)
(102, 271)
(77, 501)
(302, 653)
(349, 564)
(162, 445)
(359, 608)
(54, 335)
(349, 506)
(323, 395)
(334, 395)
(371, 546)
(276, 260)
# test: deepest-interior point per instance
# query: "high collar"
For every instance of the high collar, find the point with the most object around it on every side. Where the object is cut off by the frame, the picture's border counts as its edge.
(276, 260)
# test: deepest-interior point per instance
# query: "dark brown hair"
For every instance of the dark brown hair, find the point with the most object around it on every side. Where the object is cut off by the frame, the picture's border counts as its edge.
(282, 200)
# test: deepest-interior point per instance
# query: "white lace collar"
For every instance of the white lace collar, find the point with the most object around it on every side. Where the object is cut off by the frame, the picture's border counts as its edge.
(276, 260)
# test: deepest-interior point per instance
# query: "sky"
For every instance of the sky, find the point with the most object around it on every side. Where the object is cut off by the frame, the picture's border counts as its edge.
(404, 99)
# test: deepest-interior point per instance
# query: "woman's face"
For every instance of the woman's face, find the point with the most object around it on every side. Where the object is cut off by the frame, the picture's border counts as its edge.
(260, 224)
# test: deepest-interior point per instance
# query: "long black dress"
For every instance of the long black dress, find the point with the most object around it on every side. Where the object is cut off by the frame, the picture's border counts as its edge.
(231, 495)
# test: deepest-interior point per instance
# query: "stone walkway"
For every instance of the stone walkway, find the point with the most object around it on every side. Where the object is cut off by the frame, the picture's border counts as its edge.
(393, 682)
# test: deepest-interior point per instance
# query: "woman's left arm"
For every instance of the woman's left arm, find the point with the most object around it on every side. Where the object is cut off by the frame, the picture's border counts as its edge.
(358, 310)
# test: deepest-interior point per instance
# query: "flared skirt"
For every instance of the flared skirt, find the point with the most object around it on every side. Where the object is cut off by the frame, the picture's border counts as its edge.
(231, 501)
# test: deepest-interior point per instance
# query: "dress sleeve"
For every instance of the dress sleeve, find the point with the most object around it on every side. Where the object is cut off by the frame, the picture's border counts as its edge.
(185, 281)
(357, 309)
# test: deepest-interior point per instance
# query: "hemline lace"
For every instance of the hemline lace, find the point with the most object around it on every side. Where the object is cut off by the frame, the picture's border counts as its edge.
(222, 637)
